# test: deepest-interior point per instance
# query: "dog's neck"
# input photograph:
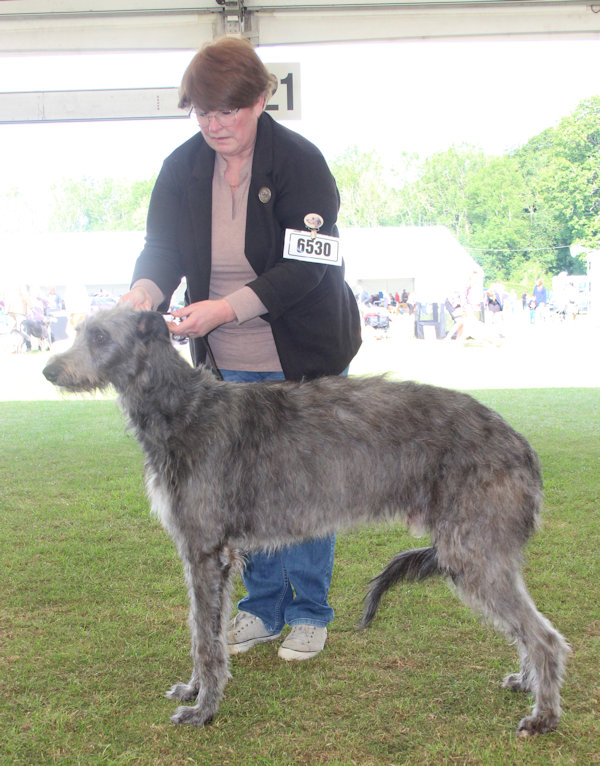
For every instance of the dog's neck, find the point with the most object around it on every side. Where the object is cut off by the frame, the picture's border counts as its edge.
(156, 405)
(152, 393)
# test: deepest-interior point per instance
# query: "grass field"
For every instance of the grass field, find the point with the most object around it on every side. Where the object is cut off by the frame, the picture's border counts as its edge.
(93, 618)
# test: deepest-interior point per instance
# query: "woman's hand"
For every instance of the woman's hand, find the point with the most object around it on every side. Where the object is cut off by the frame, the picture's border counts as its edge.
(201, 317)
(138, 297)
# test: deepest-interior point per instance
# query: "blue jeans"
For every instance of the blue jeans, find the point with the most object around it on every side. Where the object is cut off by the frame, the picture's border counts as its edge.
(289, 586)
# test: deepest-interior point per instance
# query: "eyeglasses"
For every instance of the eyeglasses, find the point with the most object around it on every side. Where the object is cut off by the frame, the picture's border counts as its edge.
(225, 117)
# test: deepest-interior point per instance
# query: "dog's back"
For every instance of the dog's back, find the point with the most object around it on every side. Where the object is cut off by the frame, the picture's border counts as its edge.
(356, 449)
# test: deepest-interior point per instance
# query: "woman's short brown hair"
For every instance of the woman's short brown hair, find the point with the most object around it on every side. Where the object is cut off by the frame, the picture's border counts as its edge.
(225, 74)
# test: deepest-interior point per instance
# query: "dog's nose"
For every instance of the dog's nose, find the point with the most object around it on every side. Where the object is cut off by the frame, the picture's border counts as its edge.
(50, 372)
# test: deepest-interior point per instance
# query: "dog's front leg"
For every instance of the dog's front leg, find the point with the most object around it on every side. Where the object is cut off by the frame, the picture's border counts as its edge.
(207, 578)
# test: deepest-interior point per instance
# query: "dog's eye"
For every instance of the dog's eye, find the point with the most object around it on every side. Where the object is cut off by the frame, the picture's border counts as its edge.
(100, 337)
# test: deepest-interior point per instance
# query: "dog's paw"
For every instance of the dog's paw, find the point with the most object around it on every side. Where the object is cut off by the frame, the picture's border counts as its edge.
(537, 724)
(516, 682)
(183, 692)
(192, 716)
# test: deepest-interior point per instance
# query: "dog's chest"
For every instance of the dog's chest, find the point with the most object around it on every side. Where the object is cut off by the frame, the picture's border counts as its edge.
(160, 499)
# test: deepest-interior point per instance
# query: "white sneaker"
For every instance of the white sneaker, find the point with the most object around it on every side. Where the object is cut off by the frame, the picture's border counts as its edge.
(303, 642)
(246, 631)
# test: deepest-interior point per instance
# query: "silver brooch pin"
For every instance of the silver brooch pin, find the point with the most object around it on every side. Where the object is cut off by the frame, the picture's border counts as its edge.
(313, 222)
(264, 194)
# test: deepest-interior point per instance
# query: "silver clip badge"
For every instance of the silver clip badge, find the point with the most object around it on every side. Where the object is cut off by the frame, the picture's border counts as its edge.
(313, 222)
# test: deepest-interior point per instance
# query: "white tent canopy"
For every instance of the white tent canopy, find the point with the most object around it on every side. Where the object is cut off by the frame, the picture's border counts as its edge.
(425, 260)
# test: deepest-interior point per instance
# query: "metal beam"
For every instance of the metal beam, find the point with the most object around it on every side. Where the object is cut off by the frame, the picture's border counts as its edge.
(89, 105)
(441, 21)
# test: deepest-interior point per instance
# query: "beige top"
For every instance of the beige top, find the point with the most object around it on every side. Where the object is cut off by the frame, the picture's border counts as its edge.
(246, 344)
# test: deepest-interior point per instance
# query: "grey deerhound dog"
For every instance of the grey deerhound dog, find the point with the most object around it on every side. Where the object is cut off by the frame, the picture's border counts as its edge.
(249, 467)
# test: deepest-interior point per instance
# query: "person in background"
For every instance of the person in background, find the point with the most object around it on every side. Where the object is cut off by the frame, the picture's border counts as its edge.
(540, 298)
(218, 216)
(494, 304)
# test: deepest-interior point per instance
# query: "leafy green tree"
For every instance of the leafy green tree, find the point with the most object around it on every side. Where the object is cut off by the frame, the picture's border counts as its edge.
(101, 205)
(441, 188)
(564, 163)
(503, 217)
(367, 196)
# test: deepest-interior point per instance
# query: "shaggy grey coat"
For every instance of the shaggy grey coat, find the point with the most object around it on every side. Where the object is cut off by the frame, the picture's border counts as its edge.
(249, 467)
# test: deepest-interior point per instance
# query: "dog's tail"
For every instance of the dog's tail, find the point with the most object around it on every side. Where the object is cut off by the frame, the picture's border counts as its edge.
(417, 564)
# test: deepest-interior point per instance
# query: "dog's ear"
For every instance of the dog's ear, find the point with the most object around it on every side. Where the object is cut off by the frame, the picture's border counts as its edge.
(151, 324)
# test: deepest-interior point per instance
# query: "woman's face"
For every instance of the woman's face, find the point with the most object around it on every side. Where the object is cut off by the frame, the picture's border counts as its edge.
(236, 139)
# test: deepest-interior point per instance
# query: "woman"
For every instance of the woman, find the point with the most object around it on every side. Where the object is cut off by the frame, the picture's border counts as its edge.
(218, 215)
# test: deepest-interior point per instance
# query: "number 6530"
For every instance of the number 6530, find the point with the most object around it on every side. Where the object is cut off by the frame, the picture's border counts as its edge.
(312, 246)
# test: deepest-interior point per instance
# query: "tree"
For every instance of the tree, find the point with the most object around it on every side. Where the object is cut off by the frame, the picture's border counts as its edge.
(101, 205)
(565, 164)
(505, 226)
(442, 188)
(367, 198)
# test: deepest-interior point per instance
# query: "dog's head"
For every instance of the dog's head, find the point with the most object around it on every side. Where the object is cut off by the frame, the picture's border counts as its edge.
(111, 347)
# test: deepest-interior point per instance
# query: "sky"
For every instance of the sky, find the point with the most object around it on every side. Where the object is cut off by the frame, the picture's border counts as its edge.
(397, 98)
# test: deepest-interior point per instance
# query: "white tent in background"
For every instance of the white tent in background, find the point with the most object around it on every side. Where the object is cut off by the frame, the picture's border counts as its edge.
(427, 261)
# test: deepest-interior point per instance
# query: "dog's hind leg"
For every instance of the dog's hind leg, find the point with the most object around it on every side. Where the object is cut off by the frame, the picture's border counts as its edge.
(521, 681)
(208, 581)
(503, 597)
(543, 658)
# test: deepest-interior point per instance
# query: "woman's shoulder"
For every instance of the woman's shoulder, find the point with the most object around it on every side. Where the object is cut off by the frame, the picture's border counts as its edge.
(288, 143)
(184, 158)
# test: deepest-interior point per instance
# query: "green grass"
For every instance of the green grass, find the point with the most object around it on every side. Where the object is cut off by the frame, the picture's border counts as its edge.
(93, 619)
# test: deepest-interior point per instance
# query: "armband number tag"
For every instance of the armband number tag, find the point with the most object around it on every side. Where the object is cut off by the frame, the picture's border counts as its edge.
(302, 246)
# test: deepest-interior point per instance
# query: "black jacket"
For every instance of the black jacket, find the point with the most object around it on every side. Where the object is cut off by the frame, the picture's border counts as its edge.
(311, 310)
